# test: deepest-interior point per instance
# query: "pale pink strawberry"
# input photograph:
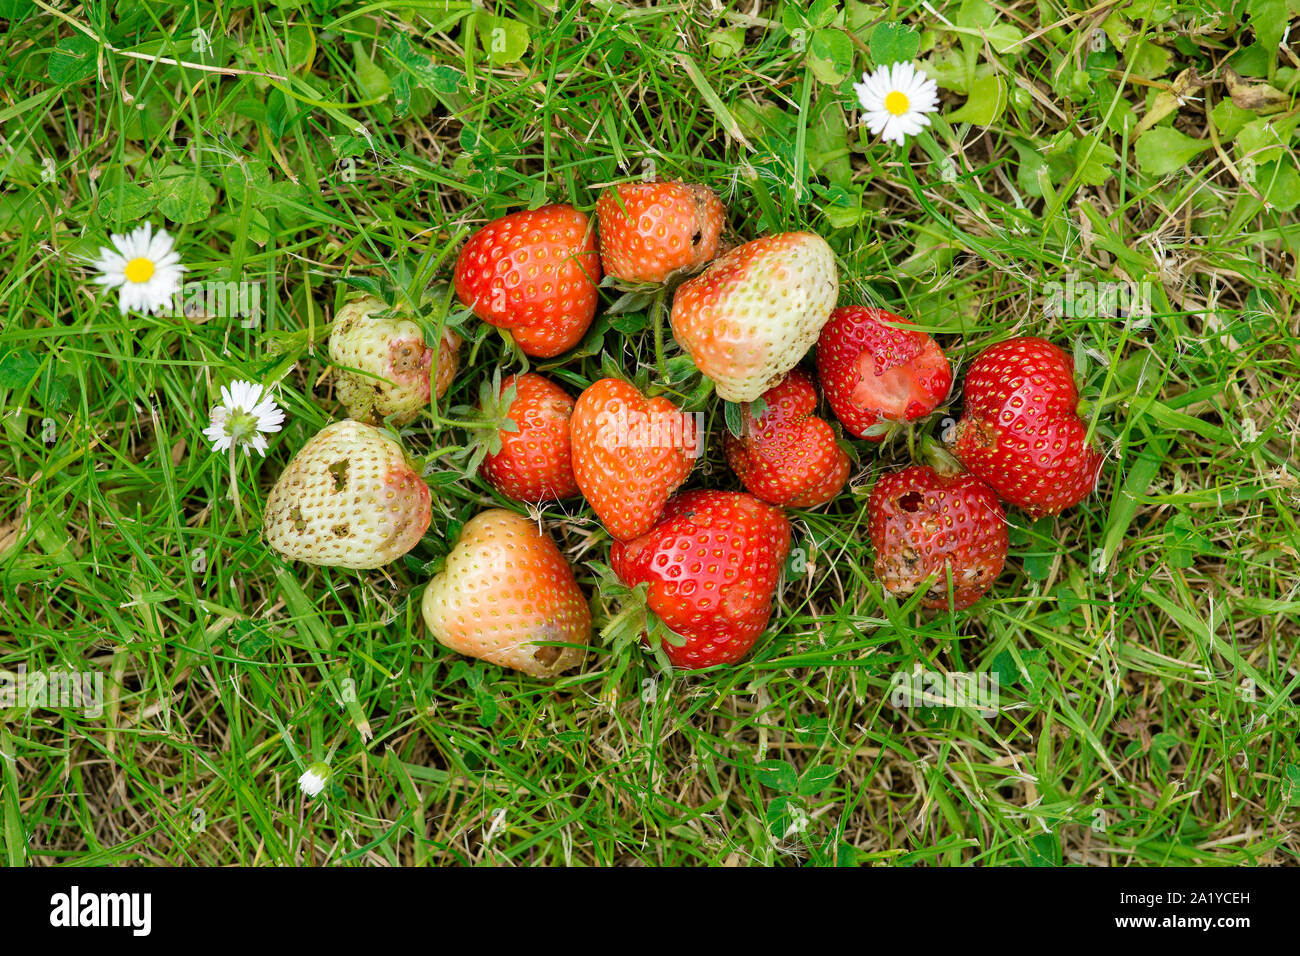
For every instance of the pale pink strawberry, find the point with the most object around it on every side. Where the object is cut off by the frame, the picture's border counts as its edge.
(384, 366)
(751, 316)
(348, 499)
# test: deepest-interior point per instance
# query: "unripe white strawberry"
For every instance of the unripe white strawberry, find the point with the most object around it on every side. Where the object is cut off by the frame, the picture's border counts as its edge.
(504, 587)
(348, 499)
(751, 316)
(393, 364)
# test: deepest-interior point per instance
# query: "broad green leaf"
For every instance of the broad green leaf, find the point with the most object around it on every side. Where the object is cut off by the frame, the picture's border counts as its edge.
(372, 82)
(183, 195)
(124, 202)
(816, 778)
(1268, 18)
(975, 14)
(987, 102)
(1229, 118)
(504, 40)
(726, 42)
(822, 12)
(1162, 150)
(73, 60)
(1148, 60)
(1094, 162)
(777, 774)
(1264, 140)
(893, 43)
(18, 367)
(830, 54)
(1280, 184)
(1003, 36)
(15, 10)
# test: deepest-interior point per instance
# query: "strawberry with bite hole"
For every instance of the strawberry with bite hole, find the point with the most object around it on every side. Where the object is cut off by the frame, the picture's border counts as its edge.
(926, 526)
(874, 374)
(1020, 430)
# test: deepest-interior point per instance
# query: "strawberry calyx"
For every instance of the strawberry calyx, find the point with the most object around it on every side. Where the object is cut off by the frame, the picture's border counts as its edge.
(485, 421)
(634, 622)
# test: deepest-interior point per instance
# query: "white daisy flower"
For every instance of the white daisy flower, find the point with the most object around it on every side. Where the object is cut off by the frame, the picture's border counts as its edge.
(143, 266)
(314, 778)
(246, 411)
(896, 99)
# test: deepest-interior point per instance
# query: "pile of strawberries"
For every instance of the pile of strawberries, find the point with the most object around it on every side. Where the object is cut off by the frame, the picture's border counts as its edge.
(696, 571)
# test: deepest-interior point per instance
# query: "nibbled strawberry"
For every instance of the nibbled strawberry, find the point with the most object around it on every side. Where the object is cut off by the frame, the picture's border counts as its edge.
(534, 273)
(873, 374)
(649, 231)
(393, 364)
(788, 456)
(535, 461)
(348, 499)
(711, 563)
(922, 524)
(1020, 430)
(629, 454)
(505, 586)
(750, 316)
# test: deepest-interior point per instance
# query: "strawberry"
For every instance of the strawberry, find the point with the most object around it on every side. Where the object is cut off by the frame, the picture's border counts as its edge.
(873, 373)
(629, 454)
(749, 317)
(711, 564)
(923, 525)
(392, 364)
(649, 231)
(534, 462)
(505, 586)
(1020, 430)
(348, 499)
(534, 273)
(787, 455)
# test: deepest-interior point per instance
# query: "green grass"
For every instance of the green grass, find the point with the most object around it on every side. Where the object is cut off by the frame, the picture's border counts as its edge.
(1146, 640)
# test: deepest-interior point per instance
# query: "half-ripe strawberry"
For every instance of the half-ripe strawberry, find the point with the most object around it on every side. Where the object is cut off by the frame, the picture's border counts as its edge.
(534, 273)
(711, 565)
(874, 374)
(787, 455)
(504, 588)
(749, 317)
(348, 499)
(630, 454)
(925, 526)
(1020, 430)
(649, 231)
(535, 461)
(384, 366)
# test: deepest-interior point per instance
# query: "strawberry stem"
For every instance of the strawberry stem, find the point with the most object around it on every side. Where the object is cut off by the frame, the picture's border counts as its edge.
(657, 316)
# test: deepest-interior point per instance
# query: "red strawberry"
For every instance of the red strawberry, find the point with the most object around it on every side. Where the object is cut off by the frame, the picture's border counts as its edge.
(505, 587)
(535, 273)
(1021, 431)
(629, 454)
(534, 463)
(873, 374)
(749, 317)
(648, 231)
(922, 523)
(788, 456)
(711, 564)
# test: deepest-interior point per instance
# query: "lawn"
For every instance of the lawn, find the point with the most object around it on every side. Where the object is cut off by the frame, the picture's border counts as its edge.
(1121, 179)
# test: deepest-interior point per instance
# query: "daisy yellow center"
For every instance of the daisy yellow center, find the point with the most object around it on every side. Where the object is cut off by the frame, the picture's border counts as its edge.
(896, 103)
(139, 270)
